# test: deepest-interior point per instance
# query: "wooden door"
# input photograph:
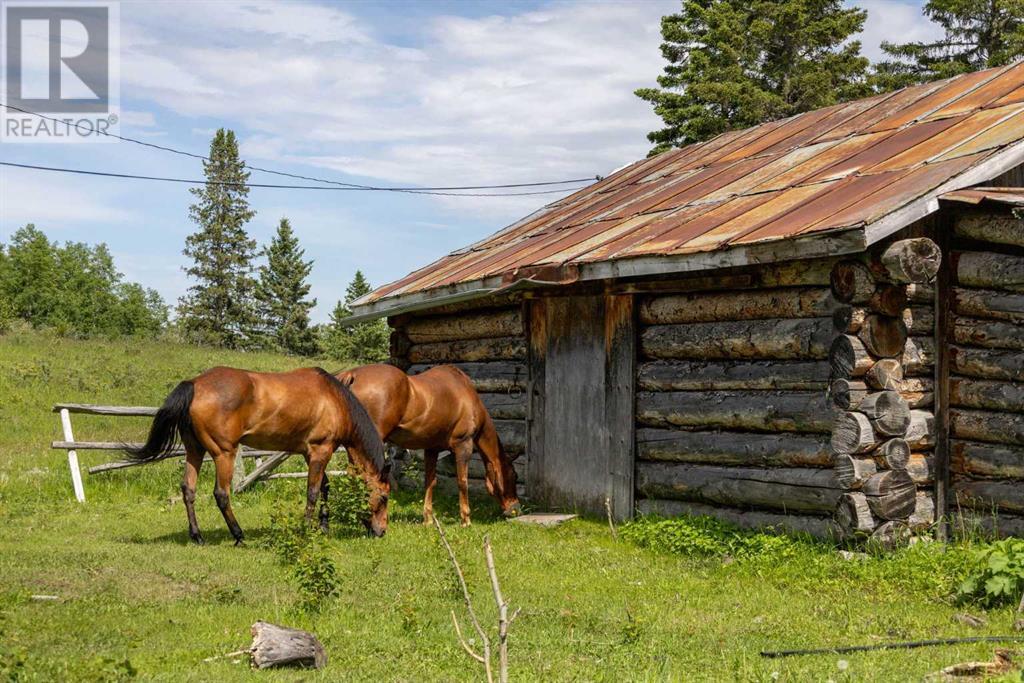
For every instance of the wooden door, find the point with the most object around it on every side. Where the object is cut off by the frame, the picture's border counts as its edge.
(582, 358)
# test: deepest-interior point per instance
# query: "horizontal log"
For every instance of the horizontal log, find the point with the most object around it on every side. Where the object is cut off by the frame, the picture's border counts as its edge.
(918, 392)
(919, 320)
(797, 273)
(987, 364)
(918, 356)
(476, 325)
(817, 526)
(889, 300)
(986, 394)
(921, 468)
(921, 293)
(768, 411)
(849, 319)
(987, 303)
(998, 461)
(853, 515)
(733, 448)
(989, 495)
(853, 470)
(513, 435)
(888, 412)
(883, 336)
(474, 350)
(988, 270)
(986, 227)
(848, 357)
(891, 494)
(89, 409)
(886, 374)
(910, 260)
(923, 516)
(990, 334)
(985, 522)
(505, 406)
(448, 486)
(983, 425)
(852, 282)
(786, 489)
(780, 339)
(921, 430)
(697, 375)
(846, 394)
(494, 376)
(125, 464)
(894, 454)
(810, 302)
(852, 433)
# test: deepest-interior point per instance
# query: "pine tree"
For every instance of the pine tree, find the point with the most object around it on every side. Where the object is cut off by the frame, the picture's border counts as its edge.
(977, 34)
(282, 292)
(361, 343)
(738, 63)
(219, 309)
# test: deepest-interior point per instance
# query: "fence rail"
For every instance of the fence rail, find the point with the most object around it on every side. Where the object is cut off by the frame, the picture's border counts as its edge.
(266, 461)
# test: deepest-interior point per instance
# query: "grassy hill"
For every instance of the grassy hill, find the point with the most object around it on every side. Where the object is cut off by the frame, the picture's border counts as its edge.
(134, 599)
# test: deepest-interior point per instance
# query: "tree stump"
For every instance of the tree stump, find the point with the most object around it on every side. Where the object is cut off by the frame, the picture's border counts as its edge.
(274, 645)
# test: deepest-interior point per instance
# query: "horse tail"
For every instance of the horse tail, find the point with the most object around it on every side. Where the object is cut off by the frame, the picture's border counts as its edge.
(172, 419)
(365, 433)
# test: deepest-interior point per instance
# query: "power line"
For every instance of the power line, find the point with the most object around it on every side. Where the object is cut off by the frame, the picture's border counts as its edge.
(353, 186)
(189, 181)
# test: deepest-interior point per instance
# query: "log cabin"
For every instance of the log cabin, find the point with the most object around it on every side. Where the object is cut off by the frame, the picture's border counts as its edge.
(815, 324)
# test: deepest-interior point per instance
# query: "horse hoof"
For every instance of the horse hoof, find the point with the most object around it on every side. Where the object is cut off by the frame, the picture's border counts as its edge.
(239, 543)
(198, 540)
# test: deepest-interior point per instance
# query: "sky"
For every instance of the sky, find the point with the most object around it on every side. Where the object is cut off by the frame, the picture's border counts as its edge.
(384, 93)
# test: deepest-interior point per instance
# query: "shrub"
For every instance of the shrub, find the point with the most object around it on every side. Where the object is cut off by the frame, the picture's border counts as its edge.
(997, 575)
(349, 503)
(707, 537)
(315, 572)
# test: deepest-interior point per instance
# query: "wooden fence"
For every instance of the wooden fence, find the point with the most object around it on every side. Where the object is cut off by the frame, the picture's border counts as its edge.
(265, 461)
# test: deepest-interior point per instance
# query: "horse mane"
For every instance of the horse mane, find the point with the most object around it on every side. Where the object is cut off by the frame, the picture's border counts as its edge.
(366, 431)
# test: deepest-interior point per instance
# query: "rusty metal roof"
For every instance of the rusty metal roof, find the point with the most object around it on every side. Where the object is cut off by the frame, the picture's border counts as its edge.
(1011, 196)
(828, 181)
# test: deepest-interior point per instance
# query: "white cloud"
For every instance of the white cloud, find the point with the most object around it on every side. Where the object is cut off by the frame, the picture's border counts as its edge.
(895, 21)
(54, 202)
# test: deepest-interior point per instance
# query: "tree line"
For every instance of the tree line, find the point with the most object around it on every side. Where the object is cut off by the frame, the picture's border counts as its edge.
(733, 64)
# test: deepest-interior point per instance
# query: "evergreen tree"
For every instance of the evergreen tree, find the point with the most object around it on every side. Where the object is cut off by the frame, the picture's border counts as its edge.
(977, 34)
(362, 343)
(282, 292)
(738, 63)
(219, 309)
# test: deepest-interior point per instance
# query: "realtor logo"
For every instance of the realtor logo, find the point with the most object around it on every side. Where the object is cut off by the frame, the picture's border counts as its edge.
(60, 61)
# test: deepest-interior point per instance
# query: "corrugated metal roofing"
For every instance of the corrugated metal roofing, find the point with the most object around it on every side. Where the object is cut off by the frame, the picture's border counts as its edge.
(835, 169)
(1012, 196)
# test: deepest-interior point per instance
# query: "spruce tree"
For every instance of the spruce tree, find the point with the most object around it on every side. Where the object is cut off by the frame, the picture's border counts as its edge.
(977, 34)
(361, 343)
(738, 63)
(219, 308)
(282, 293)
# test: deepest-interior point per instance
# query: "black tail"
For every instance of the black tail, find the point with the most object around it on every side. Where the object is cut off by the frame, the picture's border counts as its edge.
(365, 431)
(172, 418)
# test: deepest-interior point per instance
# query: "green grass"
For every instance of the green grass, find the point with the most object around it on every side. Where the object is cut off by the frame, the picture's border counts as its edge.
(132, 590)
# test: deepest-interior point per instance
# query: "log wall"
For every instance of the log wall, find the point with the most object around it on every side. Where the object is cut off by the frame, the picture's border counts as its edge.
(487, 341)
(732, 418)
(986, 386)
(882, 366)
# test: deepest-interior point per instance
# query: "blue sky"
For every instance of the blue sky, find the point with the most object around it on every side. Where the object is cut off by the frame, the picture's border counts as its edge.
(417, 93)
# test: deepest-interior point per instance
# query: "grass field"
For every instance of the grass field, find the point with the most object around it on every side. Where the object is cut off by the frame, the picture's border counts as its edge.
(135, 599)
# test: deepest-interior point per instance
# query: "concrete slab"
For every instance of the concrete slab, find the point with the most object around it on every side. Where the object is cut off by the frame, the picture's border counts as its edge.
(547, 519)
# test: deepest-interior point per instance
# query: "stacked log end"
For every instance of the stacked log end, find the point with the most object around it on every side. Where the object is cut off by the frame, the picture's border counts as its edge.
(986, 384)
(488, 343)
(880, 364)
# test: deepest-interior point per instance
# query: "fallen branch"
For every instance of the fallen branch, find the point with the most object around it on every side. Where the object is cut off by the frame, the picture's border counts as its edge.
(504, 620)
(909, 645)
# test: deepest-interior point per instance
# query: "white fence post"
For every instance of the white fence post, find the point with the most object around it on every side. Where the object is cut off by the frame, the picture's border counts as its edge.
(76, 473)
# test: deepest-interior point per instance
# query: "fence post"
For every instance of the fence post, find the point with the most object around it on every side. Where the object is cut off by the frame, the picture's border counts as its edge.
(76, 473)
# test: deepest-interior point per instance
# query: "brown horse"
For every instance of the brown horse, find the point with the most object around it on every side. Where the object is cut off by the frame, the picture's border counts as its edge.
(437, 410)
(304, 411)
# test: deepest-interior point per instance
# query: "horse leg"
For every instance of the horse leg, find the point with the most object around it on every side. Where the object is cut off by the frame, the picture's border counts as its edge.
(325, 511)
(317, 458)
(224, 462)
(193, 461)
(462, 451)
(429, 481)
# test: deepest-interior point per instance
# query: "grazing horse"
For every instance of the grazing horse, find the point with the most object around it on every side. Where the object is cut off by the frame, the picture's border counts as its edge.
(304, 411)
(437, 410)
